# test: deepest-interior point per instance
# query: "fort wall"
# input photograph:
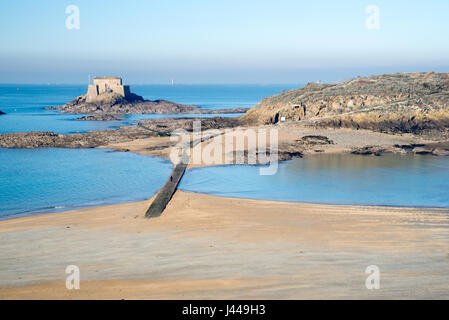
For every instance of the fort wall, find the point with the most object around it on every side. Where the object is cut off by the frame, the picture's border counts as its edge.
(106, 84)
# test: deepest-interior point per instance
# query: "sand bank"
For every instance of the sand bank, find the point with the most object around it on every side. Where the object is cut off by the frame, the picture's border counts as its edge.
(289, 141)
(207, 247)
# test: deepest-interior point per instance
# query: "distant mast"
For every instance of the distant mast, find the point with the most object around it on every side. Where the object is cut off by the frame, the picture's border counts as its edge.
(172, 82)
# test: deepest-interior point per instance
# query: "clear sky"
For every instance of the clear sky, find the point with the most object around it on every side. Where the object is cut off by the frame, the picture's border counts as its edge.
(220, 41)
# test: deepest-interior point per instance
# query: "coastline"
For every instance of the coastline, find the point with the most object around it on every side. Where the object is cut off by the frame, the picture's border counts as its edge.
(228, 157)
(208, 247)
(344, 140)
(211, 247)
(387, 206)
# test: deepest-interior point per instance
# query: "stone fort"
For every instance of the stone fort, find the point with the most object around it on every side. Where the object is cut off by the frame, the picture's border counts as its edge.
(102, 85)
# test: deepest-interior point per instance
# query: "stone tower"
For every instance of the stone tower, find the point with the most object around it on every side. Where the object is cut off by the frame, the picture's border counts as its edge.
(103, 85)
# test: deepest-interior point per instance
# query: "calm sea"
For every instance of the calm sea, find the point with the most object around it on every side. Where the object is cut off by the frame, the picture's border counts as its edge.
(45, 180)
(24, 104)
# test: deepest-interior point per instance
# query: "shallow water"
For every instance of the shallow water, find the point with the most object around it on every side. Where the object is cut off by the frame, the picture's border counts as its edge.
(24, 104)
(390, 180)
(46, 180)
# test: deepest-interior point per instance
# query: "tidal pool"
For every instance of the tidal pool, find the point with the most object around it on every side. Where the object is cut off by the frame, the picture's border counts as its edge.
(389, 180)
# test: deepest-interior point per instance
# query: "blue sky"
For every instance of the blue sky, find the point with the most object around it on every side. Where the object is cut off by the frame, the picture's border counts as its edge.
(219, 41)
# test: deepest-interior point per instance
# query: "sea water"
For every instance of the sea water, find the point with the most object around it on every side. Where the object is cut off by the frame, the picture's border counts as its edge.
(24, 104)
(389, 180)
(46, 180)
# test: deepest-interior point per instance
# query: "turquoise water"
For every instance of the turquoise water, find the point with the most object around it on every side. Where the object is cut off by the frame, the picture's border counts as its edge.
(46, 180)
(390, 180)
(24, 104)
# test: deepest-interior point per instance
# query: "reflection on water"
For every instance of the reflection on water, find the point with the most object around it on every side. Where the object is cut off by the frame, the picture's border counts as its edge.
(411, 180)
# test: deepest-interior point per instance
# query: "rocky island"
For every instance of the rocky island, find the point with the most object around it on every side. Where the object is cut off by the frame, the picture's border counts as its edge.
(107, 98)
(393, 113)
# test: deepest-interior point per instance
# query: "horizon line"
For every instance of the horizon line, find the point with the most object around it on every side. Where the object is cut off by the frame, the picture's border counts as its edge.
(166, 84)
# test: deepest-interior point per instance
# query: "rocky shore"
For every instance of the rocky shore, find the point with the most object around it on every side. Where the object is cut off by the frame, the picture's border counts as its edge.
(436, 149)
(308, 119)
(39, 139)
(415, 103)
(313, 144)
(109, 106)
(294, 141)
(165, 126)
(149, 128)
(102, 117)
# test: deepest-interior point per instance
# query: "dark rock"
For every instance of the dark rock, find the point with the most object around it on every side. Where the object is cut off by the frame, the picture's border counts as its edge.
(168, 125)
(440, 152)
(145, 129)
(408, 146)
(38, 139)
(434, 148)
(115, 104)
(422, 150)
(101, 117)
(369, 150)
(1, 112)
(276, 118)
(315, 140)
(287, 155)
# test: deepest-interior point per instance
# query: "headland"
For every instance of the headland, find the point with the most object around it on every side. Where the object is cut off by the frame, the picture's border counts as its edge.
(206, 247)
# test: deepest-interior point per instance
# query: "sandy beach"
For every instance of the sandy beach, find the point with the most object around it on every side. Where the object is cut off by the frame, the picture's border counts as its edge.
(224, 150)
(206, 247)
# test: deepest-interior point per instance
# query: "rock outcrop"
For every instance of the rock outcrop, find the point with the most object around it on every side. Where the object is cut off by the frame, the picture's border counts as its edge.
(101, 117)
(112, 103)
(436, 149)
(92, 139)
(1, 112)
(144, 129)
(167, 125)
(403, 102)
(315, 140)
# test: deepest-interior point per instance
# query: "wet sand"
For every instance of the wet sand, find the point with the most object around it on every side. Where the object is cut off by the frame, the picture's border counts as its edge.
(206, 247)
(344, 140)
